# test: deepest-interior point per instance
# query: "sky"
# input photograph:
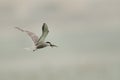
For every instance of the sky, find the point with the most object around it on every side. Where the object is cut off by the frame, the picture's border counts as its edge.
(85, 31)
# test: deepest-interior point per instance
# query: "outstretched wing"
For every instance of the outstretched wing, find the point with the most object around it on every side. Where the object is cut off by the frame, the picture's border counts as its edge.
(45, 32)
(31, 34)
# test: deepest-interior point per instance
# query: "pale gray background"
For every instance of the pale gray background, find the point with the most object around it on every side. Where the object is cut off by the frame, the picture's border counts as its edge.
(86, 31)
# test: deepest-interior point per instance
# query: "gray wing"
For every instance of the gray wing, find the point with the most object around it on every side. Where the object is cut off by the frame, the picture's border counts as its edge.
(45, 32)
(31, 34)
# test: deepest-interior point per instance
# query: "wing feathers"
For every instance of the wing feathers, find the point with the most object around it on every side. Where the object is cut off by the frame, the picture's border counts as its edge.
(34, 37)
(45, 32)
(31, 35)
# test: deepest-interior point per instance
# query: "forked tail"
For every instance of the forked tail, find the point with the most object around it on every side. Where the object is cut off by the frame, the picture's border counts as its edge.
(30, 48)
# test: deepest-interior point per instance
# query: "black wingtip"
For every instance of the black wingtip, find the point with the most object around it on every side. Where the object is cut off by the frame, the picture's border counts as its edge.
(44, 23)
(43, 28)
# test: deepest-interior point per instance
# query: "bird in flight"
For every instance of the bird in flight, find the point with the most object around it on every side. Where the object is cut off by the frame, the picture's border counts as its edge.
(39, 42)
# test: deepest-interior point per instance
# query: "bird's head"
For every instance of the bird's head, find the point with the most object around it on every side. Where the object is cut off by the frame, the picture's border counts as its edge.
(51, 45)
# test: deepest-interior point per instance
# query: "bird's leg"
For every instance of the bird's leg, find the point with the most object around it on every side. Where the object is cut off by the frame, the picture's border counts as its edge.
(34, 49)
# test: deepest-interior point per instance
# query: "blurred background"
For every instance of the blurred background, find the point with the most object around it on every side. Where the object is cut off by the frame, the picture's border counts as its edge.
(86, 31)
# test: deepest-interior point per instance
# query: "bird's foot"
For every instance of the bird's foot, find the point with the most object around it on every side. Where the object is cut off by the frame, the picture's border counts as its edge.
(34, 50)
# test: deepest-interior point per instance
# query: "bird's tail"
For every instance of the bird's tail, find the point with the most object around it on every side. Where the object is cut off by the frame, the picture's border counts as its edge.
(30, 48)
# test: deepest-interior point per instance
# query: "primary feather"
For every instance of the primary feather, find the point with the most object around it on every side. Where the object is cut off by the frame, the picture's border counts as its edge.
(32, 35)
(45, 32)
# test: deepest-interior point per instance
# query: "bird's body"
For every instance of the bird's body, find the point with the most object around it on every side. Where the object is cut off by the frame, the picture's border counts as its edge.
(42, 45)
(39, 42)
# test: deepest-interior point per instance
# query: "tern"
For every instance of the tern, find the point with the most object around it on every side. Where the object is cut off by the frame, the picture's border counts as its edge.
(39, 42)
